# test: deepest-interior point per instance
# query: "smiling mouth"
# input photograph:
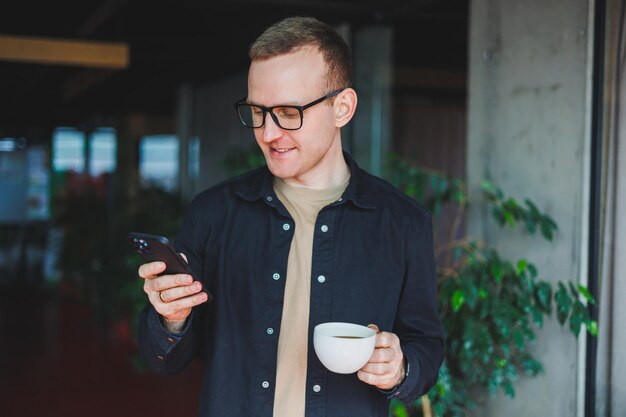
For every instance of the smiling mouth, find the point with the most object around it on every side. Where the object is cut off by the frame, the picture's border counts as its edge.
(282, 150)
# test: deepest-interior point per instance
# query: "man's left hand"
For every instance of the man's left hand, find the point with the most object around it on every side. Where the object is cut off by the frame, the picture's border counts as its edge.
(385, 367)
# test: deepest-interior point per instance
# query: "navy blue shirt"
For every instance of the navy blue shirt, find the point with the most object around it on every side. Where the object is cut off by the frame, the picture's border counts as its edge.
(374, 248)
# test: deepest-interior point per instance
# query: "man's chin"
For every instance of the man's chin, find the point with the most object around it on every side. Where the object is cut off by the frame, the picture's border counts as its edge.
(279, 172)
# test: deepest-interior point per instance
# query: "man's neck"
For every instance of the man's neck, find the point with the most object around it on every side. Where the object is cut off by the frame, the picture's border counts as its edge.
(332, 174)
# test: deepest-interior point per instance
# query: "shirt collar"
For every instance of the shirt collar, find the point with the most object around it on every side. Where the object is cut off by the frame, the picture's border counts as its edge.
(260, 187)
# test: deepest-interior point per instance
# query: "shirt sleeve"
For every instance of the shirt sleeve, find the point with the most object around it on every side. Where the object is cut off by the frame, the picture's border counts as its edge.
(418, 324)
(169, 353)
(164, 352)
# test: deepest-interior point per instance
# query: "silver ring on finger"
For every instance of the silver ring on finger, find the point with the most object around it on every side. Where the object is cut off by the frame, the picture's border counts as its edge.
(161, 296)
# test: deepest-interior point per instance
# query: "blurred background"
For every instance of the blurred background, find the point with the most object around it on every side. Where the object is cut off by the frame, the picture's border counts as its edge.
(114, 114)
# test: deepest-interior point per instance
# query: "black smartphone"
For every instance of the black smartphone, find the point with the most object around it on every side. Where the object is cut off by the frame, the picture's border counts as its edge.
(154, 248)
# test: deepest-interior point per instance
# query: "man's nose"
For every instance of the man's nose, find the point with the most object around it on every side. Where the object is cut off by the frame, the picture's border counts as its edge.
(271, 130)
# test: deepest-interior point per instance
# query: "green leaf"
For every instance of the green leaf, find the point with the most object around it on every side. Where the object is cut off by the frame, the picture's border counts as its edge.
(544, 295)
(498, 216)
(586, 294)
(488, 187)
(531, 226)
(531, 366)
(547, 229)
(459, 197)
(537, 317)
(522, 264)
(577, 317)
(508, 389)
(532, 208)
(496, 271)
(519, 339)
(564, 303)
(399, 410)
(458, 299)
(483, 294)
(592, 328)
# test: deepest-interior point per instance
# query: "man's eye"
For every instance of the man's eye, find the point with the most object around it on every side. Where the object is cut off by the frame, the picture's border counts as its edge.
(257, 111)
(288, 112)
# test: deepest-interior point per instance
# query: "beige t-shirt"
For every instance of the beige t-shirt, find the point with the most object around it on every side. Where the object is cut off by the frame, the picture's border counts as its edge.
(303, 204)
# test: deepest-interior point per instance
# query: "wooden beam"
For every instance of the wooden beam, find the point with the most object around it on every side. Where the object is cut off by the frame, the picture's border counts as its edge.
(91, 54)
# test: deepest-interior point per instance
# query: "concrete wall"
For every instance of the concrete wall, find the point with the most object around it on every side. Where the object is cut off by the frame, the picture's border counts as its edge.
(528, 132)
(208, 116)
(371, 127)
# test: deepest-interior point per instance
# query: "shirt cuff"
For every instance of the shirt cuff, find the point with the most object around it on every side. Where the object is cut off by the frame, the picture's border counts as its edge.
(166, 340)
(403, 391)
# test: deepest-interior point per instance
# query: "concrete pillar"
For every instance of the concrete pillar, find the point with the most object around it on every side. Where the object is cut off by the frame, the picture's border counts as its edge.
(529, 95)
(184, 126)
(126, 177)
(218, 128)
(371, 126)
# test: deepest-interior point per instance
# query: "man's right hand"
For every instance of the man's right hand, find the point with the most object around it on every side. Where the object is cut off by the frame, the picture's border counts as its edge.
(172, 296)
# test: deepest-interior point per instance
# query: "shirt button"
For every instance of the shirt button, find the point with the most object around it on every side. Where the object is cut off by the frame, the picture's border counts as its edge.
(269, 198)
(276, 276)
(341, 199)
(265, 384)
(324, 228)
(170, 340)
(321, 279)
(270, 330)
(286, 226)
(317, 388)
(161, 358)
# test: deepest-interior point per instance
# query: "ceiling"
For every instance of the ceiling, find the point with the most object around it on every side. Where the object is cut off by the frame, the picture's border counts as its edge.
(172, 42)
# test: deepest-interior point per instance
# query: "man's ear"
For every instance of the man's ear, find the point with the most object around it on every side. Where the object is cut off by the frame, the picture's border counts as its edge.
(345, 106)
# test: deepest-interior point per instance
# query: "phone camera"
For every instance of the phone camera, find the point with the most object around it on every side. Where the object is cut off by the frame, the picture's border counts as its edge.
(143, 247)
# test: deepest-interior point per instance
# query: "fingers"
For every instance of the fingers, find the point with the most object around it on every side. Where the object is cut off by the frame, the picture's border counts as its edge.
(166, 282)
(384, 375)
(380, 368)
(151, 269)
(385, 355)
(172, 301)
(384, 366)
(180, 306)
(384, 339)
(383, 381)
(387, 340)
(174, 293)
(374, 327)
(172, 296)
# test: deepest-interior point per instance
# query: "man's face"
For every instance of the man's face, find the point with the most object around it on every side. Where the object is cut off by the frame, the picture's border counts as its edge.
(298, 156)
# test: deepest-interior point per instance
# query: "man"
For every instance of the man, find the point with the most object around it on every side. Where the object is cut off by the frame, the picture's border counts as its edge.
(310, 238)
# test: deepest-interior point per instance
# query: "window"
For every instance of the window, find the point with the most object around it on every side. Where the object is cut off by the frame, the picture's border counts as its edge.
(194, 158)
(68, 150)
(158, 161)
(102, 151)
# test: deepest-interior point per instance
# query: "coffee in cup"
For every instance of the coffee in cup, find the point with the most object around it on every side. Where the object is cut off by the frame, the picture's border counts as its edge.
(343, 348)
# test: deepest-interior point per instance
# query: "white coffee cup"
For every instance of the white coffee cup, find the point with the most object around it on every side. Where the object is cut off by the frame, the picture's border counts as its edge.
(343, 348)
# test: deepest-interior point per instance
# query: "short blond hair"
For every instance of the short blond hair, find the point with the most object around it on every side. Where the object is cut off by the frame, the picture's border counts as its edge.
(294, 33)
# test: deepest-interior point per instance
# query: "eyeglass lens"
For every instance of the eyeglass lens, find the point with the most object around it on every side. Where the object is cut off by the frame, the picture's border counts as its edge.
(287, 117)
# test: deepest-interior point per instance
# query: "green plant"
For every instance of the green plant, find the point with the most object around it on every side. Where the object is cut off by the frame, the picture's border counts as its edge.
(490, 306)
(239, 160)
(95, 260)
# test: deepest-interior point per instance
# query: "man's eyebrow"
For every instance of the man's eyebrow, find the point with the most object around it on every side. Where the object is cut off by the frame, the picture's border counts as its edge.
(275, 105)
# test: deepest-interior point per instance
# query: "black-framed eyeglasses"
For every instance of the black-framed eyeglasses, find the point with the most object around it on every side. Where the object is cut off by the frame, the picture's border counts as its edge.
(285, 116)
